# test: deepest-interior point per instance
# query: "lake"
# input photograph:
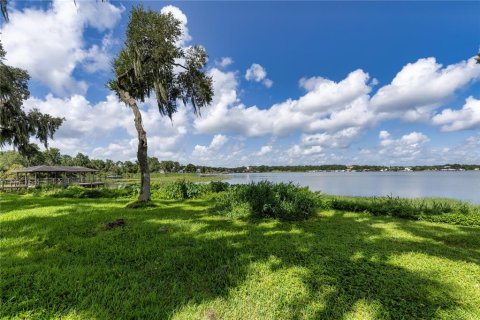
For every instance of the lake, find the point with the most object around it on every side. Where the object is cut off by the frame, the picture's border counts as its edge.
(461, 185)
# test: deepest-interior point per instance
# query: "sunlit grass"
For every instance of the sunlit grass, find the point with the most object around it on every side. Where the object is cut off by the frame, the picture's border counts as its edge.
(58, 260)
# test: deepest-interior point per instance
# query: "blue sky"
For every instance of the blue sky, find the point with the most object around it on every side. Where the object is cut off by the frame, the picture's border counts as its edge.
(295, 82)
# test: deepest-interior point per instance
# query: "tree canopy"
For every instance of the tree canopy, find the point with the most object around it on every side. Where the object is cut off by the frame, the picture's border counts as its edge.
(153, 62)
(17, 126)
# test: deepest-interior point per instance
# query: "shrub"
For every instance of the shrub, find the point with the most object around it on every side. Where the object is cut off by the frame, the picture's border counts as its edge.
(181, 190)
(218, 186)
(265, 199)
(195, 190)
(229, 204)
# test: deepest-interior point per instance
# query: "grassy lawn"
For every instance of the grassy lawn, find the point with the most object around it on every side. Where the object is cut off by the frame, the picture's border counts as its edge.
(176, 261)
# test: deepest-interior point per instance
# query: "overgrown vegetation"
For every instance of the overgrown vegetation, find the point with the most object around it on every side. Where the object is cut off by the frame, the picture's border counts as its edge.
(438, 210)
(93, 259)
(181, 190)
(81, 192)
(284, 201)
(265, 199)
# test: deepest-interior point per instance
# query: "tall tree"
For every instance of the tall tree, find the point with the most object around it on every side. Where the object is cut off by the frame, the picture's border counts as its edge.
(17, 126)
(97, 164)
(10, 158)
(168, 166)
(129, 167)
(81, 160)
(152, 61)
(190, 168)
(67, 160)
(53, 157)
(153, 164)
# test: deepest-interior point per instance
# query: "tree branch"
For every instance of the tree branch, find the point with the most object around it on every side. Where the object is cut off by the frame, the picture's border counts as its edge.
(123, 75)
(179, 65)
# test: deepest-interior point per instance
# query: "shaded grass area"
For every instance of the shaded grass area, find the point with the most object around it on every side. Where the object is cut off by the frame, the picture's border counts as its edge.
(59, 260)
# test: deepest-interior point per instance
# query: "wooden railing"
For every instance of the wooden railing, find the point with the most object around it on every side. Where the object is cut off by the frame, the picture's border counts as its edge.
(13, 184)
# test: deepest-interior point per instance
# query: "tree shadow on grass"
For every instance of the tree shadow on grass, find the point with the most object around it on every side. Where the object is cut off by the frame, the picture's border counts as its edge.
(360, 271)
(176, 255)
(457, 237)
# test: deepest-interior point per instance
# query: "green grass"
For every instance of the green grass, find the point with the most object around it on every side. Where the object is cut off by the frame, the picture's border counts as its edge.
(58, 260)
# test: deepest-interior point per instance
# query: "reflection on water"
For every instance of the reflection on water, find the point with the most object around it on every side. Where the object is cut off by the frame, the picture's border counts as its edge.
(462, 185)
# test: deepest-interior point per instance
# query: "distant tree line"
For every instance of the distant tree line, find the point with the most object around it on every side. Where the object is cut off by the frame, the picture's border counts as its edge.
(341, 167)
(10, 160)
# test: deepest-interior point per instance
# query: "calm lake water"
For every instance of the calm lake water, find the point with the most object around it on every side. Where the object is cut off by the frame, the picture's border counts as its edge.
(462, 185)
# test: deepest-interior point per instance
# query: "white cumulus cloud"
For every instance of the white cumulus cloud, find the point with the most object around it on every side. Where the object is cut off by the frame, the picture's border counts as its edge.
(340, 139)
(50, 45)
(407, 147)
(264, 150)
(454, 120)
(217, 143)
(334, 114)
(258, 73)
(224, 62)
(325, 109)
(423, 86)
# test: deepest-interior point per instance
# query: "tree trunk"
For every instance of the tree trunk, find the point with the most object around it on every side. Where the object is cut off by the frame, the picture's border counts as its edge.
(142, 148)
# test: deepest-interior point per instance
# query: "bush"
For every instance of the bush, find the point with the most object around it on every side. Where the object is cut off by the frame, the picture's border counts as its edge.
(218, 186)
(181, 190)
(229, 204)
(265, 199)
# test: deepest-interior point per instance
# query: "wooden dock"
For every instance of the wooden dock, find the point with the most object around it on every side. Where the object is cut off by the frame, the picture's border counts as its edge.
(14, 186)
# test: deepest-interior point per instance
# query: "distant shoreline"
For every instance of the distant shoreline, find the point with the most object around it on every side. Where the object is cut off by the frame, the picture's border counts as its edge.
(353, 169)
